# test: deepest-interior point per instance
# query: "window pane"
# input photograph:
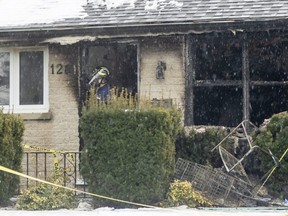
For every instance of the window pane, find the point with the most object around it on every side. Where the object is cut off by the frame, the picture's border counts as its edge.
(31, 78)
(268, 59)
(266, 101)
(218, 59)
(218, 62)
(218, 106)
(268, 66)
(4, 77)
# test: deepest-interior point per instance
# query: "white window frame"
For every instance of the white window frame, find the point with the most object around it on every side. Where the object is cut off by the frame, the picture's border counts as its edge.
(14, 100)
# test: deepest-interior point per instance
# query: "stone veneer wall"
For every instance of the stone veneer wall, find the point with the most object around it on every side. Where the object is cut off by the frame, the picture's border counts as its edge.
(169, 51)
(60, 130)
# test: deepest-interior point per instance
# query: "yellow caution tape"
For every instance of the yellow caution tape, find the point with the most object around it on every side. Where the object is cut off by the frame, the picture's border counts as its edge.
(54, 152)
(47, 150)
(5, 169)
(272, 171)
(56, 167)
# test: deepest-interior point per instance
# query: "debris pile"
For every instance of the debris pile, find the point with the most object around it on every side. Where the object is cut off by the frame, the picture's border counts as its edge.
(230, 185)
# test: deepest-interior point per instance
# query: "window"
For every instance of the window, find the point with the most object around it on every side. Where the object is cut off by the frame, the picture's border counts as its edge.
(268, 55)
(236, 77)
(24, 80)
(217, 84)
(4, 77)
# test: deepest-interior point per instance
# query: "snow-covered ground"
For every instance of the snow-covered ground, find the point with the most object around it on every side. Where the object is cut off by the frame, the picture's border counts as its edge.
(181, 211)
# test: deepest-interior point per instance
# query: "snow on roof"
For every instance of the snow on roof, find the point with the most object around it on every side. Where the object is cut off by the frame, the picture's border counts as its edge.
(156, 4)
(19, 12)
(113, 3)
(41, 14)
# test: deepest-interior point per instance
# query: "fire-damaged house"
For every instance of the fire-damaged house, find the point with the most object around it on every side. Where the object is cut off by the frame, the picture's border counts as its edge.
(220, 61)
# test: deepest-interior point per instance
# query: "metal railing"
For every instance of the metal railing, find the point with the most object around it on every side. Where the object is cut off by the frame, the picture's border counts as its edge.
(44, 165)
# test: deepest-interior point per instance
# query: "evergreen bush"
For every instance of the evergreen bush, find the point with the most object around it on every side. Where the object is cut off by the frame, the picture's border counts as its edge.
(11, 132)
(182, 193)
(197, 147)
(274, 136)
(129, 152)
(46, 197)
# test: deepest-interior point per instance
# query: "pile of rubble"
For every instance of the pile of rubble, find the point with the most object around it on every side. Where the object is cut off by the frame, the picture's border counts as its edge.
(230, 185)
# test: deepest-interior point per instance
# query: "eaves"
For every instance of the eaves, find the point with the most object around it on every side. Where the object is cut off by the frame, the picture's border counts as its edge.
(141, 29)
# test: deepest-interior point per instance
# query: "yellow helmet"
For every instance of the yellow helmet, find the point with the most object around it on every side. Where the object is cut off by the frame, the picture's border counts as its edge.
(101, 74)
(104, 72)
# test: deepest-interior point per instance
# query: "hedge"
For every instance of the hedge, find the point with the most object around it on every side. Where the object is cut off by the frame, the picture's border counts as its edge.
(129, 154)
(274, 137)
(11, 132)
(197, 146)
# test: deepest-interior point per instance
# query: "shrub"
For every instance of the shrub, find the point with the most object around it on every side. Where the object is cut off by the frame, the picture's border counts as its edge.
(129, 153)
(11, 132)
(182, 193)
(197, 147)
(274, 136)
(46, 197)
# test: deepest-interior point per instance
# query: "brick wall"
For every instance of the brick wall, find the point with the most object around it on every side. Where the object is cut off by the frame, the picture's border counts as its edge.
(61, 131)
(171, 53)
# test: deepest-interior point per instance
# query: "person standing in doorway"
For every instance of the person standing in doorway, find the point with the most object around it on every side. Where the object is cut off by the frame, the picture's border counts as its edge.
(100, 82)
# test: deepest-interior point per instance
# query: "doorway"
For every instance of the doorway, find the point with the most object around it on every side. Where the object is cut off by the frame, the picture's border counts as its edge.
(121, 60)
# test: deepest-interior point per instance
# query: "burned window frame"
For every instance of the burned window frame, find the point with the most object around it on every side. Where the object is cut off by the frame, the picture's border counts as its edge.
(246, 84)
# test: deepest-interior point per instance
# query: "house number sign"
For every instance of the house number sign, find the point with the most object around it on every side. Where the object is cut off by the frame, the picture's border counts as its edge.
(61, 69)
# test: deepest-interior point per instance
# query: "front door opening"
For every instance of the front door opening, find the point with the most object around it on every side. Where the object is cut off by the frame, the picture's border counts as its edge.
(120, 59)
